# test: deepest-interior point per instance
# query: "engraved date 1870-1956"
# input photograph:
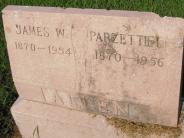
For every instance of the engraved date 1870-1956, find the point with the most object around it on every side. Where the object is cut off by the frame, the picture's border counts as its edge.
(140, 59)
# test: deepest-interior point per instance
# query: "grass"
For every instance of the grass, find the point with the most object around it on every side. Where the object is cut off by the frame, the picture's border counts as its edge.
(7, 89)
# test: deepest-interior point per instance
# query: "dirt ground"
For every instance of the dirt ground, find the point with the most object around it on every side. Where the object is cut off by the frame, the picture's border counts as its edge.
(144, 130)
(16, 133)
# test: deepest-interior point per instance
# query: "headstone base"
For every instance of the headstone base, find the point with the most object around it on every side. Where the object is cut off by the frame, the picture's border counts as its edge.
(38, 120)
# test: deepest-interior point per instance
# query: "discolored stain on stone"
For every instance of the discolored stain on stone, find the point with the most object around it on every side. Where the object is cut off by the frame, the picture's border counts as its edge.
(91, 82)
(7, 29)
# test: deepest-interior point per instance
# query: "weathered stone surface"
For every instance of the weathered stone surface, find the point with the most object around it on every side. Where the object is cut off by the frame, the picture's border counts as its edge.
(37, 120)
(115, 63)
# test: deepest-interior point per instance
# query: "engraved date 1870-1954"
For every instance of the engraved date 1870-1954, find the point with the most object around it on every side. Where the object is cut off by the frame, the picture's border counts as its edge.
(51, 49)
